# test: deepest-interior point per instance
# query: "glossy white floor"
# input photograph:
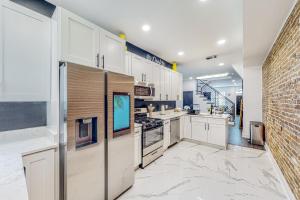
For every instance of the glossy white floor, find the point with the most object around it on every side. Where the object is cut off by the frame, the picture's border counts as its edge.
(194, 172)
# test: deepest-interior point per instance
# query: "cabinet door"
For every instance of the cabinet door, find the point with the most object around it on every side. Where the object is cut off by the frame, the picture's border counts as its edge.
(137, 149)
(148, 71)
(112, 52)
(39, 172)
(167, 77)
(137, 67)
(174, 85)
(180, 87)
(156, 81)
(128, 69)
(24, 54)
(199, 132)
(167, 134)
(162, 84)
(181, 127)
(216, 134)
(79, 40)
(187, 131)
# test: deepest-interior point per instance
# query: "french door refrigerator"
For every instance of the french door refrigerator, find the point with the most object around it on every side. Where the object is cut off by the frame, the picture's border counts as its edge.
(96, 133)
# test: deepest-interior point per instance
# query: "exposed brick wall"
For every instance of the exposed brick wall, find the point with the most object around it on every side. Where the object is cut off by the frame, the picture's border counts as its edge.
(281, 100)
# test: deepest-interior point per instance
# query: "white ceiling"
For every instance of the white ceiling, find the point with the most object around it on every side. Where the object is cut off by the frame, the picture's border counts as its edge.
(194, 27)
(191, 26)
(263, 21)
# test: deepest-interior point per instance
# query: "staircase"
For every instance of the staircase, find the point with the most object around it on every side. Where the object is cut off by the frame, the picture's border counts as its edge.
(215, 98)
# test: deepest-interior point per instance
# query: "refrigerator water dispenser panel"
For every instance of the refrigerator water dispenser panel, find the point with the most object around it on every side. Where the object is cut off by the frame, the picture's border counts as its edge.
(86, 132)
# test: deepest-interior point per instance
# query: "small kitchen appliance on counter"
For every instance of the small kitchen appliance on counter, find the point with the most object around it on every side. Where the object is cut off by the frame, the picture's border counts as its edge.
(152, 138)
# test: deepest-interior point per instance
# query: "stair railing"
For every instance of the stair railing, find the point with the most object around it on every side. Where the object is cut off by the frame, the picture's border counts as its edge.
(216, 98)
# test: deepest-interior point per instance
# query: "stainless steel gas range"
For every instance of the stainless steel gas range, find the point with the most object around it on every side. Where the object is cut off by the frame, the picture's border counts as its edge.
(152, 138)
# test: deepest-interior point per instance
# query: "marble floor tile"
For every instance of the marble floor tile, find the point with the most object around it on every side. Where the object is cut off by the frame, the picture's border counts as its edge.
(189, 171)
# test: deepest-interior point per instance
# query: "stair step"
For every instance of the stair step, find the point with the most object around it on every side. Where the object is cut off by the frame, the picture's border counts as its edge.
(209, 102)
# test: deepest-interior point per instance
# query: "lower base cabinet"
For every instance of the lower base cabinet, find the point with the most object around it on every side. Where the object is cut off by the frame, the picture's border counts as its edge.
(137, 147)
(210, 130)
(167, 134)
(187, 127)
(39, 172)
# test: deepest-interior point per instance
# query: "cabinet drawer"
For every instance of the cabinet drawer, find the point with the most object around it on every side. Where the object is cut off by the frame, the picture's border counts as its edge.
(199, 119)
(218, 121)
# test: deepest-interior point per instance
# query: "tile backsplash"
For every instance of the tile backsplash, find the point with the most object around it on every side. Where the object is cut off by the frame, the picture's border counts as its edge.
(20, 115)
(139, 103)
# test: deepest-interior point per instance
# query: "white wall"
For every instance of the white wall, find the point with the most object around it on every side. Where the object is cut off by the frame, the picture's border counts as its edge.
(189, 85)
(252, 96)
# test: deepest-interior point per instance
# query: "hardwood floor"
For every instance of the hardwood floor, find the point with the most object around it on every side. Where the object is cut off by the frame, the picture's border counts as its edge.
(235, 136)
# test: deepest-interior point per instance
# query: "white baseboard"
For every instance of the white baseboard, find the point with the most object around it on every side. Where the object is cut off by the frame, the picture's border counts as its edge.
(278, 172)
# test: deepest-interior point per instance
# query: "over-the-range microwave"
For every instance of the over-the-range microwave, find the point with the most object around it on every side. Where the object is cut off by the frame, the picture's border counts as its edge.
(144, 90)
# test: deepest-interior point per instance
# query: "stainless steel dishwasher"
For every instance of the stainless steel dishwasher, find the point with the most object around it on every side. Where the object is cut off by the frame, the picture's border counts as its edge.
(175, 130)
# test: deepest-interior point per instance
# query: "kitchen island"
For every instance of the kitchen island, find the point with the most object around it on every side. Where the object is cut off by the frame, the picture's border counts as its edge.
(207, 129)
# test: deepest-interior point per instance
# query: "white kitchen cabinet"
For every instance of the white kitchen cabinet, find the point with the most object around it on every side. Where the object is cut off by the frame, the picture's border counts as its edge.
(180, 87)
(39, 171)
(210, 130)
(167, 84)
(199, 131)
(137, 147)
(137, 65)
(162, 84)
(181, 136)
(216, 134)
(177, 82)
(148, 71)
(167, 134)
(156, 81)
(85, 43)
(79, 39)
(112, 52)
(128, 68)
(142, 69)
(25, 54)
(187, 128)
(174, 86)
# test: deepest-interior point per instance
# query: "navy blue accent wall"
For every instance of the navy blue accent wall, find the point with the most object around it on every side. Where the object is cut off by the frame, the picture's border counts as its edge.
(41, 6)
(20, 115)
(141, 52)
(139, 103)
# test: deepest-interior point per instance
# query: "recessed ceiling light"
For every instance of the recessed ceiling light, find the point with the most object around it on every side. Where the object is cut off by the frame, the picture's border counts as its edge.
(221, 42)
(213, 76)
(146, 27)
(221, 64)
(180, 53)
(202, 0)
(191, 78)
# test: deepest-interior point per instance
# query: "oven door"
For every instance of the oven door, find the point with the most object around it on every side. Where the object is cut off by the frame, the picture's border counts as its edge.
(152, 140)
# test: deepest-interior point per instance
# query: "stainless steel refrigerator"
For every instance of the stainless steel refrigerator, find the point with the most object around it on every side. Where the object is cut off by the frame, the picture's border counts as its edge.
(96, 133)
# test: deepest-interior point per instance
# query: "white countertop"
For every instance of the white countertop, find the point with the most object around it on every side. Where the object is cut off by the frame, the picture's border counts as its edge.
(168, 115)
(14, 145)
(215, 116)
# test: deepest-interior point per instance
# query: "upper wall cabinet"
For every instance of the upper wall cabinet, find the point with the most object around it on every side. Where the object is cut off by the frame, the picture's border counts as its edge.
(112, 52)
(85, 43)
(79, 39)
(128, 67)
(138, 68)
(25, 54)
